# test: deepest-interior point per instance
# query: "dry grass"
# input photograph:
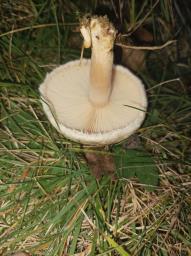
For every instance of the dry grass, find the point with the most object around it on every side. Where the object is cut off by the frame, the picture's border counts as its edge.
(50, 204)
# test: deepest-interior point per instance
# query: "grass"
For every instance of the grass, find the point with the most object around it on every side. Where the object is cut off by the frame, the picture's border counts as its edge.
(50, 204)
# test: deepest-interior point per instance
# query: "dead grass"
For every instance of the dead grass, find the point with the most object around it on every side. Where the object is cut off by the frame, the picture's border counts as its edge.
(50, 203)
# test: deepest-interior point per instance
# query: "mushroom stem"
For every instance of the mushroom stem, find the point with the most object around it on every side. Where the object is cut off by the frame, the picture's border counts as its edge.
(100, 77)
(99, 33)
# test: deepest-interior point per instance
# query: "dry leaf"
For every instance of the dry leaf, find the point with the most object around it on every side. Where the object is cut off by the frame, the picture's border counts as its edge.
(108, 165)
(133, 59)
(100, 164)
(144, 35)
(94, 164)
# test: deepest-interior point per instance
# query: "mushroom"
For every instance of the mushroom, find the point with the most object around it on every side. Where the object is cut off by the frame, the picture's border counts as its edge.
(93, 101)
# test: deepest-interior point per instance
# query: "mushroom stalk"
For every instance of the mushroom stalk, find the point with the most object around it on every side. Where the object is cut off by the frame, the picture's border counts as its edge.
(99, 34)
(100, 76)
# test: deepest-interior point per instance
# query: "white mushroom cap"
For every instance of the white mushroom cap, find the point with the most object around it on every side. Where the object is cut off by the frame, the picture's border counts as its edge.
(66, 104)
(92, 101)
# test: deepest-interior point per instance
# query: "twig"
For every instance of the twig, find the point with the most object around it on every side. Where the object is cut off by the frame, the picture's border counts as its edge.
(148, 48)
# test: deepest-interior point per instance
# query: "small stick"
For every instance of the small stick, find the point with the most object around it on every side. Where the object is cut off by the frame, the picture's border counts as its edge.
(149, 48)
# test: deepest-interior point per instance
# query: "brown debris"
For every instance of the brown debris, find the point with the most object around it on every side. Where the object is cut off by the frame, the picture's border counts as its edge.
(144, 35)
(101, 164)
(133, 59)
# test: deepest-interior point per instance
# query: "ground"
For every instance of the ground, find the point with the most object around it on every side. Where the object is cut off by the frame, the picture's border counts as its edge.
(50, 202)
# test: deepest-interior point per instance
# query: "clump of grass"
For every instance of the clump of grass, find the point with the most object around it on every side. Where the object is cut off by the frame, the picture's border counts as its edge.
(50, 204)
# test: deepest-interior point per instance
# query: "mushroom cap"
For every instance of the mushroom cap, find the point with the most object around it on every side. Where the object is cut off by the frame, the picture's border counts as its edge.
(65, 101)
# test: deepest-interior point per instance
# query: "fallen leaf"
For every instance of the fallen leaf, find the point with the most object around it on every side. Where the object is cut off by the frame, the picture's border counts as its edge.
(133, 59)
(108, 165)
(100, 164)
(144, 35)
